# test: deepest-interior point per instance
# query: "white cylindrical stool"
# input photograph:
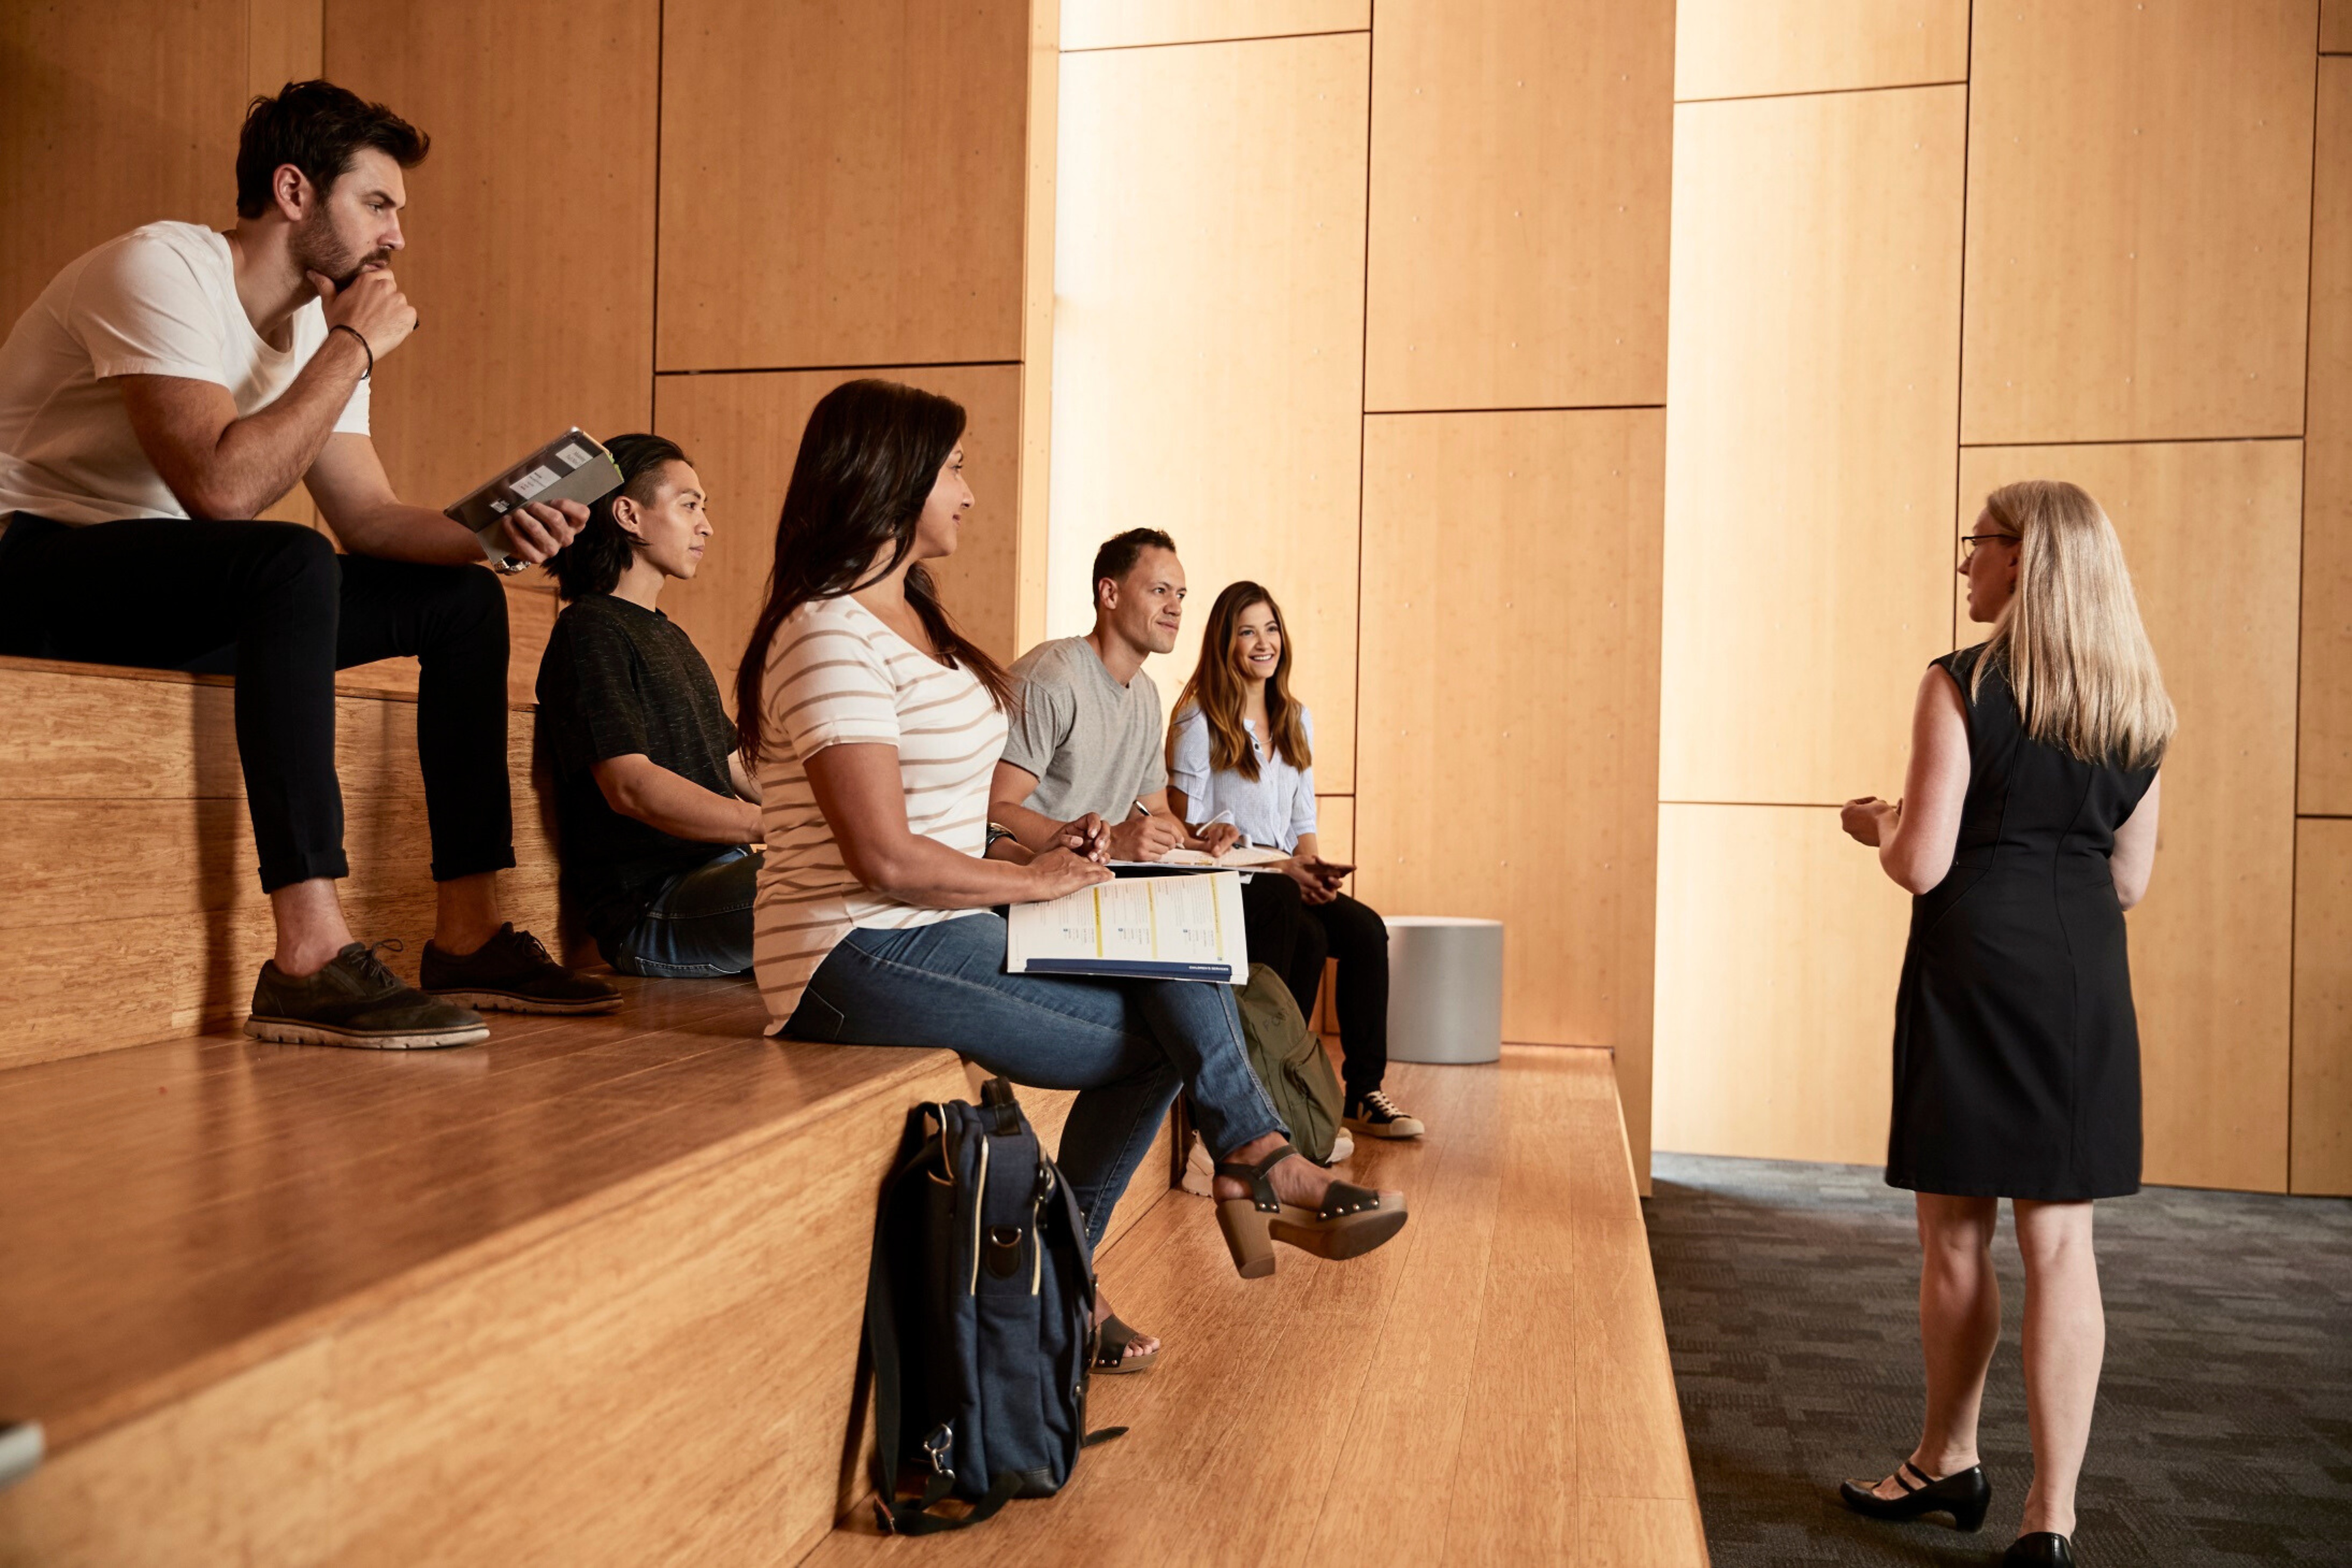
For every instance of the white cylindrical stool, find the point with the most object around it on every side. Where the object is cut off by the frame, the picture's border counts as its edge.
(1445, 989)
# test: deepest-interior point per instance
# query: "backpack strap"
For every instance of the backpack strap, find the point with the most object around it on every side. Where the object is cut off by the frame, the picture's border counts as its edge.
(917, 1518)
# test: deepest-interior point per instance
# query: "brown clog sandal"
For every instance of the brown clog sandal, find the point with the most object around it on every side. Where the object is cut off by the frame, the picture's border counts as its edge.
(1111, 1341)
(1351, 1221)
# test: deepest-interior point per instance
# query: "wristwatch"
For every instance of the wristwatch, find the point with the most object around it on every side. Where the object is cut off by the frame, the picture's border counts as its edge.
(996, 830)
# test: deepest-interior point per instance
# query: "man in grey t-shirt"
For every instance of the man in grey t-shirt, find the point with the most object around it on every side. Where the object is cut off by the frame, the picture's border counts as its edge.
(1085, 747)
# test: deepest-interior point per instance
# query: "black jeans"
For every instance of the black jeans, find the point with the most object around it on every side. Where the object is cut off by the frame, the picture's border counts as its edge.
(1295, 936)
(273, 604)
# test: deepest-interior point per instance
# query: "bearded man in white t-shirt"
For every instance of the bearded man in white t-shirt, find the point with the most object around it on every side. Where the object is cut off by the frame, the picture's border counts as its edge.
(166, 389)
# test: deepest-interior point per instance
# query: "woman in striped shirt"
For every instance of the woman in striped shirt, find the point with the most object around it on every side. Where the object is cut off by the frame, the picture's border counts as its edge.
(875, 727)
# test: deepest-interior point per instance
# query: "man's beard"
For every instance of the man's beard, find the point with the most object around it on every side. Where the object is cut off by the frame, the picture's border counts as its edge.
(317, 249)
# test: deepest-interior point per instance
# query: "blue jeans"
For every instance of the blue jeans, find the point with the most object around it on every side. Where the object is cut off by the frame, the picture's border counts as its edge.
(1126, 1045)
(699, 926)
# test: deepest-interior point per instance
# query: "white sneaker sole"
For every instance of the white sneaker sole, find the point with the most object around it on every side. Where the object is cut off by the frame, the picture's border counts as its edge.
(293, 1032)
(1370, 1131)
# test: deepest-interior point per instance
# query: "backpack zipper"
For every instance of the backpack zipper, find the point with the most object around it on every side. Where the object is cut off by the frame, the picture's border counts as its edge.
(979, 1200)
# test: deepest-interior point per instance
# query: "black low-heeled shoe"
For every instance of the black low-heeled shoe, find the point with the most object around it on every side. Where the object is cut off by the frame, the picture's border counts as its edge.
(2041, 1549)
(1963, 1494)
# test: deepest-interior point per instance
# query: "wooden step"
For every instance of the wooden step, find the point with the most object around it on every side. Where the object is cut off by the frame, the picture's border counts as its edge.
(135, 910)
(1492, 1387)
(588, 1294)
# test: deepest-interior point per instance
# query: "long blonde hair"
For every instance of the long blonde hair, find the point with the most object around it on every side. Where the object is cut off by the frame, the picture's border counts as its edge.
(2070, 639)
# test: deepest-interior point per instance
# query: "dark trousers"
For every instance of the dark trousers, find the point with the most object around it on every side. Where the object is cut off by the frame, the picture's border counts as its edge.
(273, 604)
(1295, 936)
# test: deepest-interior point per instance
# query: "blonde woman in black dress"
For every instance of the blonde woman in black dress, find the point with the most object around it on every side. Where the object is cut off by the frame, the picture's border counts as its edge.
(2026, 829)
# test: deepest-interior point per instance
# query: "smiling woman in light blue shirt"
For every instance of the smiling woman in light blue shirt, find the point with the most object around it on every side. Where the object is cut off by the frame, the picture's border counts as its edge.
(1244, 747)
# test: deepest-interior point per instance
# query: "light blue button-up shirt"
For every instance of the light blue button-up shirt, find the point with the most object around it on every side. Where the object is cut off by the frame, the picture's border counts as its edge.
(1272, 810)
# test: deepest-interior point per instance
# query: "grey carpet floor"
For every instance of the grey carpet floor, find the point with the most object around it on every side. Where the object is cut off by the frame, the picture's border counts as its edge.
(2224, 1431)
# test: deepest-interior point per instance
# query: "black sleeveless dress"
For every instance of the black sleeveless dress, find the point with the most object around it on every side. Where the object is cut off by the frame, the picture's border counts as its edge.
(2016, 1049)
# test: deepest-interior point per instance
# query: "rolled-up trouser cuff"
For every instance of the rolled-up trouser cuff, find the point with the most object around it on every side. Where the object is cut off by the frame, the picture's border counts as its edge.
(473, 865)
(277, 874)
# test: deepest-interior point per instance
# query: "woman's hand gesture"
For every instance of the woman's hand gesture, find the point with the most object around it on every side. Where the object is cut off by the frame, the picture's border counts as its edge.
(1058, 872)
(1867, 819)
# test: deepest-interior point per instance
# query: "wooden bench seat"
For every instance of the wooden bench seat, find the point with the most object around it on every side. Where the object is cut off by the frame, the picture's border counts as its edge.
(134, 911)
(588, 1293)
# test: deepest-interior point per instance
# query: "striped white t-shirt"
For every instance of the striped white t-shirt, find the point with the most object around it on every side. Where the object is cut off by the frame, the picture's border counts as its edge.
(836, 675)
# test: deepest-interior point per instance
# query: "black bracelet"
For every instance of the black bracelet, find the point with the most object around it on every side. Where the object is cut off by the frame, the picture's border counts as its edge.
(343, 327)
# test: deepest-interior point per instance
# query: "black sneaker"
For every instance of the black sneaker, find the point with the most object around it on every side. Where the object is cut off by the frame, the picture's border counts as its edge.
(1376, 1116)
(512, 973)
(356, 1001)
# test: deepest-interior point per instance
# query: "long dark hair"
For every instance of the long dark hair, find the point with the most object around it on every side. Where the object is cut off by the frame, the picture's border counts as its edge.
(871, 451)
(592, 562)
(1215, 689)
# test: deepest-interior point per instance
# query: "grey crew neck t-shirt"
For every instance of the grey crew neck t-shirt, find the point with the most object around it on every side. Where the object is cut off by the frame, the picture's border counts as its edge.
(1094, 744)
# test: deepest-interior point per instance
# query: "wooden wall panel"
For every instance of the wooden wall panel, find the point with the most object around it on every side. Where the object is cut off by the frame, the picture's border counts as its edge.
(841, 182)
(112, 116)
(1520, 182)
(529, 228)
(743, 433)
(1809, 438)
(2325, 764)
(2322, 1091)
(2211, 532)
(1779, 943)
(1744, 49)
(1125, 24)
(2336, 26)
(1509, 747)
(1208, 340)
(2139, 204)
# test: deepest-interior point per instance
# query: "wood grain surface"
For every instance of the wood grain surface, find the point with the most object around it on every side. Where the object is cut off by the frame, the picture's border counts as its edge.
(1404, 1385)
(1520, 193)
(1128, 24)
(2139, 221)
(2323, 755)
(2322, 1113)
(1747, 48)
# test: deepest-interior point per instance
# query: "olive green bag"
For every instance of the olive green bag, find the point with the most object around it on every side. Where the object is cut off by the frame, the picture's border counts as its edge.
(1288, 1059)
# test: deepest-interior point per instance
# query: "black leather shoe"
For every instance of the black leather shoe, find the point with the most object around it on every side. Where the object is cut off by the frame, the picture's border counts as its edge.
(1963, 1494)
(2042, 1549)
(512, 973)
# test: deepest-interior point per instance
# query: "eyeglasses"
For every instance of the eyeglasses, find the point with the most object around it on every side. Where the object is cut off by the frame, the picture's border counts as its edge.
(1969, 543)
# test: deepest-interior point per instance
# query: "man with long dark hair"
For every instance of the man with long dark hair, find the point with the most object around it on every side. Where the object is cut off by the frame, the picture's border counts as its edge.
(659, 818)
(163, 391)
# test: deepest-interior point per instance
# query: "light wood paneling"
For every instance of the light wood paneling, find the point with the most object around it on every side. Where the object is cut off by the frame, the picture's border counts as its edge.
(1037, 324)
(1510, 574)
(531, 256)
(112, 116)
(1208, 341)
(2325, 752)
(1125, 24)
(1415, 1362)
(2322, 1088)
(1744, 49)
(583, 1269)
(285, 41)
(1809, 438)
(1779, 943)
(2336, 26)
(841, 182)
(2211, 532)
(2139, 206)
(1521, 178)
(744, 434)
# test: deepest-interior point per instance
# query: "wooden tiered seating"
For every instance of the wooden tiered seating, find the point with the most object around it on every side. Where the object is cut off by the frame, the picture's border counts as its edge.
(133, 909)
(591, 1293)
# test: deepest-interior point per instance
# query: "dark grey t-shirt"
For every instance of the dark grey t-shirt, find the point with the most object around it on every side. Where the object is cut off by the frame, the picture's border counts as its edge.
(618, 679)
(1094, 744)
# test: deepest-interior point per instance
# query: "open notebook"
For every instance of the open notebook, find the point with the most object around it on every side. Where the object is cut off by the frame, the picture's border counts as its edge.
(1158, 928)
(1241, 858)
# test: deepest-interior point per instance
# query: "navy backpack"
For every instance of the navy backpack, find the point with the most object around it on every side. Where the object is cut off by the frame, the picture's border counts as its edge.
(979, 1316)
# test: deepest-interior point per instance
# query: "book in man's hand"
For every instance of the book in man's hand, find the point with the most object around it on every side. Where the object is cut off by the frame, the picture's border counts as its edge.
(1142, 928)
(573, 466)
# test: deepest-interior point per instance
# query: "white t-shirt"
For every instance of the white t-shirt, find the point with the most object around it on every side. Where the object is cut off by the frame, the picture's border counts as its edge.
(159, 301)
